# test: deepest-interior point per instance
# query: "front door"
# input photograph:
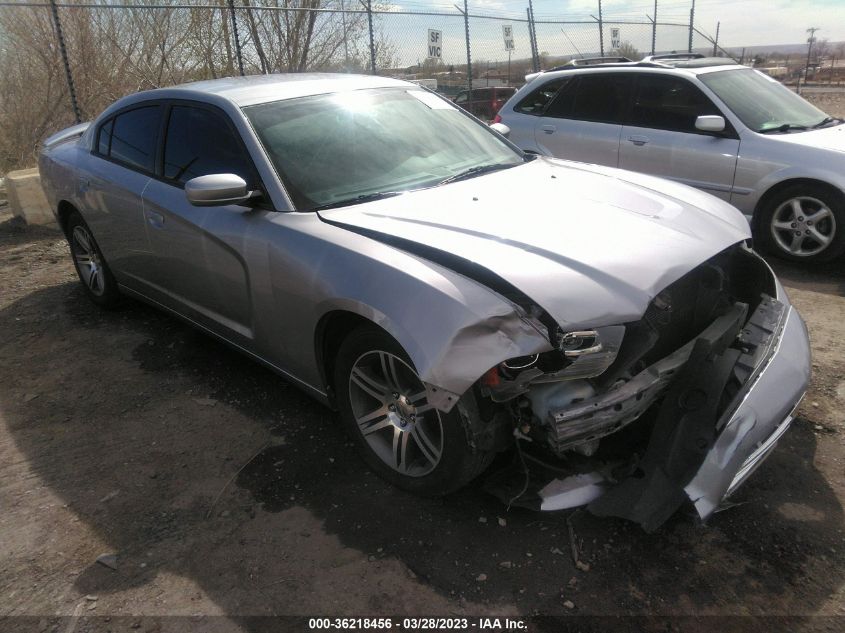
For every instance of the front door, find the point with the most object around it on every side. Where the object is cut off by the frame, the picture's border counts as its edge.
(202, 252)
(660, 138)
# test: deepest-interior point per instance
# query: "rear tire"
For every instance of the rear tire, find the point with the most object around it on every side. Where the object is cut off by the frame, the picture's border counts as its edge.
(91, 266)
(384, 408)
(803, 223)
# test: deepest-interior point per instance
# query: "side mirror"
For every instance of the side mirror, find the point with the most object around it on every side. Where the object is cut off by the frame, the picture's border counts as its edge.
(710, 123)
(215, 190)
(501, 128)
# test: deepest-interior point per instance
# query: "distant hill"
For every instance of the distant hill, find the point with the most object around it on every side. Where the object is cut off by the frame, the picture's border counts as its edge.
(786, 49)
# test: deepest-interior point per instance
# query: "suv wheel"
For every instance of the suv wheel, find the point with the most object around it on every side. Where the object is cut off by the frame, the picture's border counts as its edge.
(804, 223)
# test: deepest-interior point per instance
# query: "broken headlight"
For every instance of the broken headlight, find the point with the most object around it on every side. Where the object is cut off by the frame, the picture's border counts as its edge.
(590, 352)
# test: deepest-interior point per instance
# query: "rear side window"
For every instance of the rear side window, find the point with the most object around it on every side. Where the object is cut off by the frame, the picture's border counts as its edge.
(539, 98)
(104, 139)
(669, 103)
(599, 97)
(200, 142)
(133, 137)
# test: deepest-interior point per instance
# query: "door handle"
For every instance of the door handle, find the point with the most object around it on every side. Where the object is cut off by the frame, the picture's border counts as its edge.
(638, 140)
(155, 219)
(549, 129)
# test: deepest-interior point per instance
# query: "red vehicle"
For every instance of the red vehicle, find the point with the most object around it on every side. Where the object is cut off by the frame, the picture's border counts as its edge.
(484, 102)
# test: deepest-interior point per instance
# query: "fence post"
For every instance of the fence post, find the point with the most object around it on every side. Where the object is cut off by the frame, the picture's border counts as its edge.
(654, 29)
(238, 53)
(691, 25)
(469, 56)
(601, 31)
(63, 50)
(532, 37)
(716, 41)
(372, 37)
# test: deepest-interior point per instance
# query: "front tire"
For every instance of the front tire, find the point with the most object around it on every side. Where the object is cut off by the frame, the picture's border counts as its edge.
(804, 223)
(91, 266)
(384, 408)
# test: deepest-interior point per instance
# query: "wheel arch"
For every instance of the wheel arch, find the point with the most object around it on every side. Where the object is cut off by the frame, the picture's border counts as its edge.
(63, 211)
(331, 330)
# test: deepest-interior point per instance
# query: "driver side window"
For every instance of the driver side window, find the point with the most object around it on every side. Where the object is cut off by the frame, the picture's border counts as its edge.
(200, 142)
(669, 103)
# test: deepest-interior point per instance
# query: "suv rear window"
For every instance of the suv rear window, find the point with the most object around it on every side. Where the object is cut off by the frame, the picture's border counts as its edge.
(599, 97)
(537, 100)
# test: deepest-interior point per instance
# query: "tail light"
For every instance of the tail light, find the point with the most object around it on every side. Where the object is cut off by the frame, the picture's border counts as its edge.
(497, 119)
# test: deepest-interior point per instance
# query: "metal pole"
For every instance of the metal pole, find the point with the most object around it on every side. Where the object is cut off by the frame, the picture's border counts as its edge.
(654, 29)
(372, 37)
(63, 50)
(469, 56)
(509, 68)
(532, 36)
(812, 31)
(238, 52)
(345, 36)
(716, 41)
(691, 25)
(601, 31)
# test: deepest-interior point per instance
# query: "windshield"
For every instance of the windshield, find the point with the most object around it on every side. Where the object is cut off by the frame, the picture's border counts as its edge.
(347, 147)
(760, 102)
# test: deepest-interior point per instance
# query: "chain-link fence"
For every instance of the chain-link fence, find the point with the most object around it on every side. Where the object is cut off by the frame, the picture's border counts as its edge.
(64, 61)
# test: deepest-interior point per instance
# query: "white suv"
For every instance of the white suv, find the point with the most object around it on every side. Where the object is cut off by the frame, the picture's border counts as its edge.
(706, 122)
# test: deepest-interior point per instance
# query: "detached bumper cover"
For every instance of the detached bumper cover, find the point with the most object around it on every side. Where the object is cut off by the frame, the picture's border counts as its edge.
(761, 418)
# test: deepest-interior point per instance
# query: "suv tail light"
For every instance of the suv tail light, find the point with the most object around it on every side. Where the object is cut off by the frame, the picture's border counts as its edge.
(497, 119)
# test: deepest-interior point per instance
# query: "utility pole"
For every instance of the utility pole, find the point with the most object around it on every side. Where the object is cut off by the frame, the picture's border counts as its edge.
(691, 25)
(812, 31)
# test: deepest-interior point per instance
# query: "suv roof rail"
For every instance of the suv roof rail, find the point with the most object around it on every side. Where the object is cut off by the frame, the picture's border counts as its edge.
(667, 56)
(592, 61)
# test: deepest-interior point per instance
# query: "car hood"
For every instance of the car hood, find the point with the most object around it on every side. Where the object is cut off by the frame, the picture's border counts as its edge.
(829, 138)
(591, 245)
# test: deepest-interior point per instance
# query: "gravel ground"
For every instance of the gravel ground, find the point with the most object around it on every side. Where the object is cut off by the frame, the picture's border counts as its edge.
(224, 493)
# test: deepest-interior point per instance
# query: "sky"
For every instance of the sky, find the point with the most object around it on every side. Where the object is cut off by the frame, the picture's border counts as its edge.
(743, 22)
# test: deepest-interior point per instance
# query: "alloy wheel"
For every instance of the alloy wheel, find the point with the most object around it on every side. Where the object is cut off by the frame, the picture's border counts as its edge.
(392, 412)
(803, 226)
(88, 261)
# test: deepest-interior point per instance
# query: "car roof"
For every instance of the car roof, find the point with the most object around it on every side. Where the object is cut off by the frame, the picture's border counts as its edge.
(254, 89)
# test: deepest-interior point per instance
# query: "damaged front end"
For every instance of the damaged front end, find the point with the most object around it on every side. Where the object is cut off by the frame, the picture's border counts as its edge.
(633, 418)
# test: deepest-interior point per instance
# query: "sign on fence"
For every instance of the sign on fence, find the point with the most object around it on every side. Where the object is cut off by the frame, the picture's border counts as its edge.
(435, 44)
(614, 38)
(507, 35)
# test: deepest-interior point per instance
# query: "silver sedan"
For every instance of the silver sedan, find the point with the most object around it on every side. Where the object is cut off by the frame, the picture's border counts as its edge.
(451, 296)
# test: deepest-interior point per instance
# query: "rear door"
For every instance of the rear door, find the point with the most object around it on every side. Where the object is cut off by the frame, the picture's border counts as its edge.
(660, 137)
(584, 120)
(202, 270)
(121, 167)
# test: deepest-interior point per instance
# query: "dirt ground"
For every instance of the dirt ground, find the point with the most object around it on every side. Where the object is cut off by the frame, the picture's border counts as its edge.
(225, 493)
